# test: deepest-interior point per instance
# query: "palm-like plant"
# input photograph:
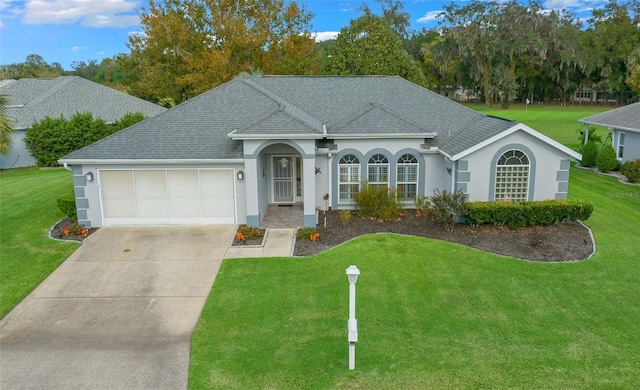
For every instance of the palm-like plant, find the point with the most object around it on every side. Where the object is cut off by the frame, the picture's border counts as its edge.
(6, 127)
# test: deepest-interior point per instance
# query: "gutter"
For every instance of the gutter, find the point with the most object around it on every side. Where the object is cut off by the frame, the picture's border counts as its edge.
(65, 162)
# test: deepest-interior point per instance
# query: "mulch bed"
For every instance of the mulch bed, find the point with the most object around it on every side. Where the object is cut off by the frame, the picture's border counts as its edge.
(57, 231)
(558, 242)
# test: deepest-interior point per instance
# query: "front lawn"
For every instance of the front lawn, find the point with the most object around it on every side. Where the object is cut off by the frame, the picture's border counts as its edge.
(27, 210)
(432, 314)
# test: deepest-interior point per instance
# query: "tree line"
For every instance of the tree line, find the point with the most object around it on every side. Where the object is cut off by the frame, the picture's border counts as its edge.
(500, 52)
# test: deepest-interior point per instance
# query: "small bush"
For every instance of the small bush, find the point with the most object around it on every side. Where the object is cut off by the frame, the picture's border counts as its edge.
(589, 154)
(308, 233)
(67, 205)
(250, 232)
(345, 216)
(449, 207)
(606, 160)
(631, 170)
(422, 204)
(377, 202)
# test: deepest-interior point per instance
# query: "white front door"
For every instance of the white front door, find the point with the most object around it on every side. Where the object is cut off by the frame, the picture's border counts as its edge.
(284, 178)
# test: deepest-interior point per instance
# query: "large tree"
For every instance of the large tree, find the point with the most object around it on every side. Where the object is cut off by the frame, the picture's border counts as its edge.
(189, 47)
(34, 66)
(369, 46)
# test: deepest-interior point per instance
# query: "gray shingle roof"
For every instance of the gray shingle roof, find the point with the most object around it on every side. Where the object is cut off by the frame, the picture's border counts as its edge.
(31, 100)
(624, 118)
(297, 105)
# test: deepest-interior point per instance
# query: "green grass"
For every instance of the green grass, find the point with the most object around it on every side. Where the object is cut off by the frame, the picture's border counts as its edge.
(27, 210)
(557, 122)
(434, 314)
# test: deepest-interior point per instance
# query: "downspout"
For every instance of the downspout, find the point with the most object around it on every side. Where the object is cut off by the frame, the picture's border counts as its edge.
(454, 170)
(330, 170)
(66, 166)
(586, 133)
(324, 131)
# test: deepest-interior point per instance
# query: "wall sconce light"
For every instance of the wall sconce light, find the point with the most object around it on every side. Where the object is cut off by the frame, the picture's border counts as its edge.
(89, 176)
(240, 175)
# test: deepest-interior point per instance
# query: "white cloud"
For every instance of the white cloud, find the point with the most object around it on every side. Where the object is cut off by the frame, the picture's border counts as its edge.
(429, 16)
(76, 49)
(325, 35)
(91, 13)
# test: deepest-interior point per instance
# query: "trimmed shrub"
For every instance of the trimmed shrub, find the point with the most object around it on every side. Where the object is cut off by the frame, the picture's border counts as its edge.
(589, 154)
(345, 216)
(449, 207)
(67, 204)
(516, 215)
(377, 202)
(606, 160)
(631, 170)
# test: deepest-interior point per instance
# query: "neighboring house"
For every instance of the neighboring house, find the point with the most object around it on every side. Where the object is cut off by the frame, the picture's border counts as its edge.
(222, 157)
(32, 100)
(624, 122)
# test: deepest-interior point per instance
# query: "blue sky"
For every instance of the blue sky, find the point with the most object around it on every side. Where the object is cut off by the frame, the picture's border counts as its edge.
(81, 30)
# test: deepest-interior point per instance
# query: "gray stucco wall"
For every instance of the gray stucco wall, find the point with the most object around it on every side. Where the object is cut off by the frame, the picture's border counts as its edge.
(20, 155)
(550, 164)
(631, 144)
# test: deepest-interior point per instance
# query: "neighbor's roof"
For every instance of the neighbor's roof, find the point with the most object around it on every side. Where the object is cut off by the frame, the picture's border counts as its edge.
(31, 100)
(623, 118)
(213, 125)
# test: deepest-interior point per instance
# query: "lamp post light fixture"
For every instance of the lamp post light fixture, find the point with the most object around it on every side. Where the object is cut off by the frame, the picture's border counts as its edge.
(240, 175)
(352, 323)
(89, 176)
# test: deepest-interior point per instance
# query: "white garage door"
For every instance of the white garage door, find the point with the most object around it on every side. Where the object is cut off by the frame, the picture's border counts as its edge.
(160, 197)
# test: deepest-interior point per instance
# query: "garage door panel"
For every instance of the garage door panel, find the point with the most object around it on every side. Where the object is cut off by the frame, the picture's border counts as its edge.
(185, 207)
(216, 183)
(152, 207)
(150, 183)
(147, 197)
(117, 184)
(119, 208)
(183, 183)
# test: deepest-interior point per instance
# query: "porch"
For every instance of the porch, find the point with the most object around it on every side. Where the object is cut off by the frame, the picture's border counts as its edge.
(283, 216)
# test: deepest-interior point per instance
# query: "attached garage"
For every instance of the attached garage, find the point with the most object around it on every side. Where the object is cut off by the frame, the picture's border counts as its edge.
(163, 197)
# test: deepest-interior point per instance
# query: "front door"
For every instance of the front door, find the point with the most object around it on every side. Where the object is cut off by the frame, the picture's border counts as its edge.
(284, 179)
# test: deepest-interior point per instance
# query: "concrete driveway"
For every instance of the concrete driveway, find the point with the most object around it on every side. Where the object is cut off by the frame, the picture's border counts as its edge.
(117, 314)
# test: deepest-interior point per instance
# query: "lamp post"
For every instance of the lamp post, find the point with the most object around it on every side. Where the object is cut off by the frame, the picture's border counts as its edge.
(352, 323)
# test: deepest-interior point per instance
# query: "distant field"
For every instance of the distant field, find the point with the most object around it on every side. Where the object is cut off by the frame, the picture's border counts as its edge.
(557, 122)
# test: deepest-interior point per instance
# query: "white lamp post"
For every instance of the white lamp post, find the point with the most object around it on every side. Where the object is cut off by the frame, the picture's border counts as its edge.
(352, 324)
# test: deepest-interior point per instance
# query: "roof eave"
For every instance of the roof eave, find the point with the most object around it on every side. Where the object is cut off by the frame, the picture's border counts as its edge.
(384, 135)
(151, 161)
(610, 126)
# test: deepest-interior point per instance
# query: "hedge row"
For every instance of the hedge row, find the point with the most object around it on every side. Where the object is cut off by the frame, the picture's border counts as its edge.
(522, 214)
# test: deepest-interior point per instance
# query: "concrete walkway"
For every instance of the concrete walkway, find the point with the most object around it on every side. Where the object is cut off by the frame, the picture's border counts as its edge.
(120, 311)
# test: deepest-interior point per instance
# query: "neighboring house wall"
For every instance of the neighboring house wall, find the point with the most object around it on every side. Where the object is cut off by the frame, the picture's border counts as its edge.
(20, 155)
(630, 148)
(548, 168)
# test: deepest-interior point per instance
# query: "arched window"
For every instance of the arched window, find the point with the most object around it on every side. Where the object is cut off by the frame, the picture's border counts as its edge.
(512, 176)
(407, 174)
(378, 171)
(348, 178)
